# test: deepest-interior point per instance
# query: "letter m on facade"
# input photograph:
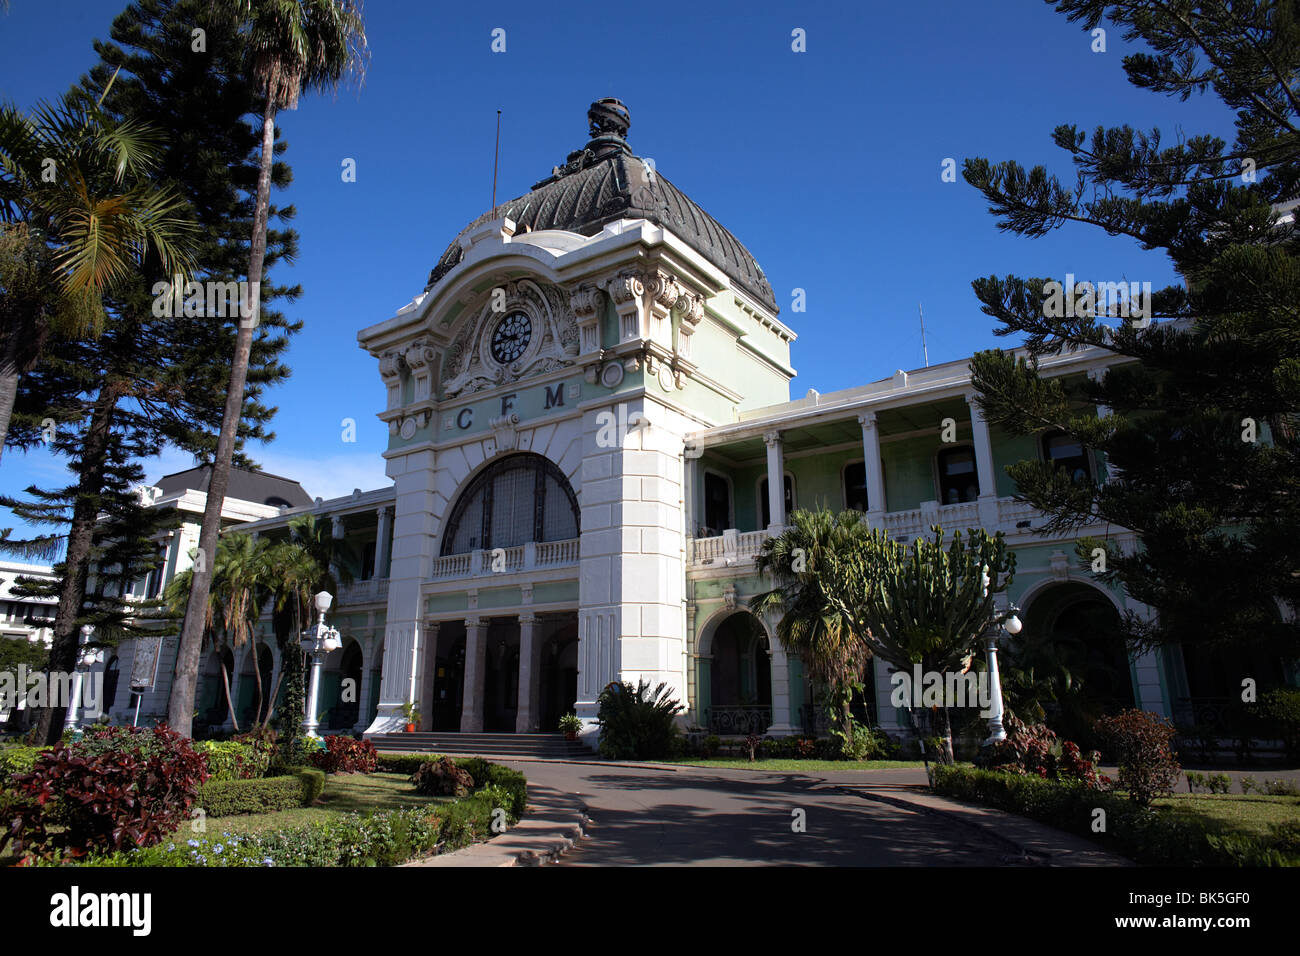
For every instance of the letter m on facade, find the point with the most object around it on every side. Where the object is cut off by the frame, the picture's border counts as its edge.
(555, 396)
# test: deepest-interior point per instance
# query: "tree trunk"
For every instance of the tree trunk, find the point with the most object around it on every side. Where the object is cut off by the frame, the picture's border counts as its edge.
(180, 708)
(230, 704)
(81, 532)
(270, 704)
(945, 736)
(257, 682)
(8, 385)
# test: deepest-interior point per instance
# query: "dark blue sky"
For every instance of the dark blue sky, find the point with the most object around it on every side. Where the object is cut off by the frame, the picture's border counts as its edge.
(826, 164)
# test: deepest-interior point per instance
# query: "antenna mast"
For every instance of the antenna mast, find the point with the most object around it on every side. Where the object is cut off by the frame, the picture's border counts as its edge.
(925, 352)
(496, 155)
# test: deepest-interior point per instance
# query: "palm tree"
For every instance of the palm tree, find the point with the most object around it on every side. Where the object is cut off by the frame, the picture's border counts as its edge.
(291, 45)
(810, 623)
(234, 602)
(79, 216)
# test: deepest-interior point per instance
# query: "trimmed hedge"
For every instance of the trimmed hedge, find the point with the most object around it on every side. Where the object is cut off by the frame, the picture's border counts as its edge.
(224, 798)
(404, 763)
(1145, 835)
(378, 838)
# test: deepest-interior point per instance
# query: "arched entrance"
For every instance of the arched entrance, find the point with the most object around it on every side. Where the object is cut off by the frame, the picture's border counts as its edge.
(737, 670)
(345, 709)
(1071, 637)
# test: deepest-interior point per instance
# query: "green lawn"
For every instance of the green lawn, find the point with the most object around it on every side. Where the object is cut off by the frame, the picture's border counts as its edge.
(1249, 815)
(344, 793)
(795, 766)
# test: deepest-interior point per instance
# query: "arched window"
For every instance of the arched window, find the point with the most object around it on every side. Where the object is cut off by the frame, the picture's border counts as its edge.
(1062, 451)
(855, 486)
(517, 499)
(958, 477)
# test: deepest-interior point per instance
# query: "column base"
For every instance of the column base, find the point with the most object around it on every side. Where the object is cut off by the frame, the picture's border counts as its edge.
(783, 730)
(389, 720)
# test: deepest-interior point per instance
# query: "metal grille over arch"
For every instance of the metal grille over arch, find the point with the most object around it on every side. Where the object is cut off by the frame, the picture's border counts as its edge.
(521, 498)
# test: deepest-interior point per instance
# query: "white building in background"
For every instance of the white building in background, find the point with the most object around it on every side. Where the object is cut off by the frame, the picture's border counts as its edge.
(21, 617)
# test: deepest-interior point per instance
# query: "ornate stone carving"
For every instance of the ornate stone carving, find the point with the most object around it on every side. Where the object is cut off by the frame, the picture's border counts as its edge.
(585, 302)
(625, 287)
(691, 309)
(390, 366)
(503, 429)
(729, 596)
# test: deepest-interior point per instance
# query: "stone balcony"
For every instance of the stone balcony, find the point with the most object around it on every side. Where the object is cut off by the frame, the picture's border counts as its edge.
(738, 548)
(372, 591)
(524, 557)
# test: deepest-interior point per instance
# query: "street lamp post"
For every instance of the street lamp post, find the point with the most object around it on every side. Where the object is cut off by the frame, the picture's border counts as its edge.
(318, 641)
(1011, 624)
(87, 657)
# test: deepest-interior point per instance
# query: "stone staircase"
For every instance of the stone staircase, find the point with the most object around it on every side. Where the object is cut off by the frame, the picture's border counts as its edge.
(551, 746)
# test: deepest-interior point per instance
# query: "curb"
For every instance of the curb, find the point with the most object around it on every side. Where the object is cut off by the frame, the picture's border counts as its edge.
(1026, 841)
(553, 823)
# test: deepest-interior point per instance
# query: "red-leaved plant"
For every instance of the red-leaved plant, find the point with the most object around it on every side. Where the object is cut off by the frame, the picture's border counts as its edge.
(346, 755)
(1140, 743)
(115, 789)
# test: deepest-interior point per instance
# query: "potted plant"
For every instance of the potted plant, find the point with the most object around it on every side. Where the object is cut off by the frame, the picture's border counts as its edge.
(570, 725)
(412, 716)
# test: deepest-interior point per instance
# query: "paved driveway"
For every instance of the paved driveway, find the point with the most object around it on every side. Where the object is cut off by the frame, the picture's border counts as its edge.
(693, 816)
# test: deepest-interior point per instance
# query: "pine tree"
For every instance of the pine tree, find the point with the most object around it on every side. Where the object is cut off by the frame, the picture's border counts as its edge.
(152, 379)
(1200, 442)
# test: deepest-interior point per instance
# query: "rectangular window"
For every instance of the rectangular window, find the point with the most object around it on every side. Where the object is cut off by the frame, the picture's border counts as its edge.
(855, 486)
(717, 503)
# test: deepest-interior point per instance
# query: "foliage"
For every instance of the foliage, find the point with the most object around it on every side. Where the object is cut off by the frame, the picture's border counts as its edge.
(1279, 712)
(570, 724)
(122, 787)
(810, 625)
(29, 654)
(1139, 742)
(442, 778)
(343, 754)
(636, 724)
(1143, 834)
(926, 604)
(17, 760)
(1034, 750)
(1217, 517)
(1212, 782)
(233, 760)
(223, 798)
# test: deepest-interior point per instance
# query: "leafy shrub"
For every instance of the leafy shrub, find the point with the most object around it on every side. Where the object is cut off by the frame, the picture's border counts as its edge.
(1139, 741)
(16, 760)
(442, 778)
(636, 724)
(1279, 712)
(224, 798)
(1281, 788)
(1248, 784)
(346, 755)
(117, 788)
(233, 760)
(1141, 833)
(294, 753)
(710, 746)
(749, 747)
(486, 773)
(402, 763)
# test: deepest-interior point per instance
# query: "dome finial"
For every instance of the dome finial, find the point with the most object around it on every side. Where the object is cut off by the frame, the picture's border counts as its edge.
(608, 117)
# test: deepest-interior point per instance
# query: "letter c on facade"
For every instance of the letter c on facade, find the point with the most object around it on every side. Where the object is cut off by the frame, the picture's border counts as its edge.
(465, 418)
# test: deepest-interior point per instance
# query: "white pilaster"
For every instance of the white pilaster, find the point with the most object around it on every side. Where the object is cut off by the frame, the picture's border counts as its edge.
(383, 540)
(782, 725)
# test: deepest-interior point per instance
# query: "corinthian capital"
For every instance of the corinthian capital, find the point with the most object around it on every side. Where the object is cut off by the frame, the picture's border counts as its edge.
(691, 308)
(625, 287)
(585, 302)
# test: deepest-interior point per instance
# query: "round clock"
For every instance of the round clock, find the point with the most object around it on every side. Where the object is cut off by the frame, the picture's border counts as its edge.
(511, 337)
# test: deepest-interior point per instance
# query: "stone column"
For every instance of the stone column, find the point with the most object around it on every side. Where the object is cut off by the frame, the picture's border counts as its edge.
(471, 715)
(530, 676)
(367, 669)
(428, 675)
(775, 482)
(782, 725)
(1103, 411)
(988, 499)
(383, 540)
(875, 470)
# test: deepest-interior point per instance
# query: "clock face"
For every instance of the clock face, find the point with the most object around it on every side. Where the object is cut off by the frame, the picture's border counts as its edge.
(511, 337)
